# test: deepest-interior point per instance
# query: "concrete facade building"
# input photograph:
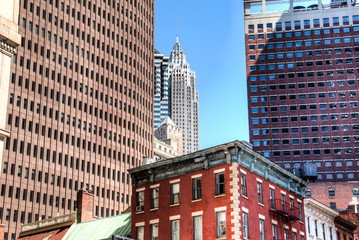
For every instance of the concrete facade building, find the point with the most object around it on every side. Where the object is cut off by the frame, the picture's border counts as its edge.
(224, 192)
(176, 96)
(80, 107)
(9, 40)
(302, 78)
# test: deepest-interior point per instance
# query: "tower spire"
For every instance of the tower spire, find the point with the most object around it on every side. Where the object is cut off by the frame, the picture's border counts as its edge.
(177, 32)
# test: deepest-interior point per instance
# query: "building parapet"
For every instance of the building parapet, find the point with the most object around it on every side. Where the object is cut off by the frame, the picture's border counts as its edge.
(235, 151)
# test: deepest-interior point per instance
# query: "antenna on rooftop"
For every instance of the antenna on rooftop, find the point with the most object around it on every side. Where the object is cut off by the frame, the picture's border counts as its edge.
(177, 31)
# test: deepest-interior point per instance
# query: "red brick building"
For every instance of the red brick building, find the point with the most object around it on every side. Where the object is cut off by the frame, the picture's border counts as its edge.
(80, 107)
(302, 77)
(336, 195)
(228, 191)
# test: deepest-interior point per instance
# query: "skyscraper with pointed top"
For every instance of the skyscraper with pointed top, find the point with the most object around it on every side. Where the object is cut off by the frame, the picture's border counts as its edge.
(176, 95)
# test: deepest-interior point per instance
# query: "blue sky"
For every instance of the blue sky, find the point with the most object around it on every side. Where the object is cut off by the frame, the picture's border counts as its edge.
(211, 34)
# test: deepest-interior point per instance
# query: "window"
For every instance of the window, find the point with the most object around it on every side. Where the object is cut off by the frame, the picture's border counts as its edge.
(284, 208)
(154, 231)
(221, 225)
(220, 183)
(175, 230)
(331, 192)
(154, 197)
(261, 229)
(272, 201)
(243, 184)
(300, 211)
(316, 227)
(196, 189)
(175, 193)
(245, 225)
(197, 228)
(275, 235)
(140, 232)
(333, 205)
(259, 191)
(140, 205)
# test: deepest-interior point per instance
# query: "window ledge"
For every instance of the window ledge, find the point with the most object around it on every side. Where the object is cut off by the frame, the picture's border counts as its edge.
(197, 200)
(216, 196)
(174, 205)
(153, 209)
(245, 198)
(140, 212)
(261, 204)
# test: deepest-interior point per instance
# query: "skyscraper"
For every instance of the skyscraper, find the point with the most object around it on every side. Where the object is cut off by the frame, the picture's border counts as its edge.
(302, 78)
(80, 107)
(176, 96)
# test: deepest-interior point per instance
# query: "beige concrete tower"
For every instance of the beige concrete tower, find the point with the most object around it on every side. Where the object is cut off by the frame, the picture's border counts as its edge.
(9, 39)
(184, 99)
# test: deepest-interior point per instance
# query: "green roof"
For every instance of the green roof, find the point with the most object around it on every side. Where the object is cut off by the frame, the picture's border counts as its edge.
(102, 228)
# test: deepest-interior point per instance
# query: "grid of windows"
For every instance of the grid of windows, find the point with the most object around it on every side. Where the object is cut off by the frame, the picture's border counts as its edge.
(88, 104)
(302, 87)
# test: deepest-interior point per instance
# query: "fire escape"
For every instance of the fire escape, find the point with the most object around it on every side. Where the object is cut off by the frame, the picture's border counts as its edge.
(286, 212)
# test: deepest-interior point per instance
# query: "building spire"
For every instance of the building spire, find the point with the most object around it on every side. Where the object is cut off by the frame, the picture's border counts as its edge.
(177, 32)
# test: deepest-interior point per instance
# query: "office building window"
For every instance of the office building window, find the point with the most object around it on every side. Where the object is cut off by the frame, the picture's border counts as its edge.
(221, 225)
(260, 193)
(196, 188)
(154, 197)
(197, 228)
(140, 205)
(261, 229)
(220, 183)
(243, 184)
(275, 235)
(175, 230)
(245, 225)
(154, 231)
(140, 233)
(175, 193)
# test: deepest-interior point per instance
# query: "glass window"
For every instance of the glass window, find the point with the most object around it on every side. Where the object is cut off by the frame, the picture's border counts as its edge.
(245, 225)
(175, 230)
(261, 229)
(272, 198)
(260, 193)
(243, 184)
(175, 188)
(140, 205)
(197, 188)
(220, 189)
(154, 197)
(275, 235)
(197, 228)
(154, 231)
(140, 232)
(221, 225)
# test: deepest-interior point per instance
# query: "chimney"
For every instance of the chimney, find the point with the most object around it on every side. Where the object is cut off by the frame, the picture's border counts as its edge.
(2, 229)
(85, 202)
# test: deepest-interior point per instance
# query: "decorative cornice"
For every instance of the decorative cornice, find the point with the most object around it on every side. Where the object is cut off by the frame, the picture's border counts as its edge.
(224, 154)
